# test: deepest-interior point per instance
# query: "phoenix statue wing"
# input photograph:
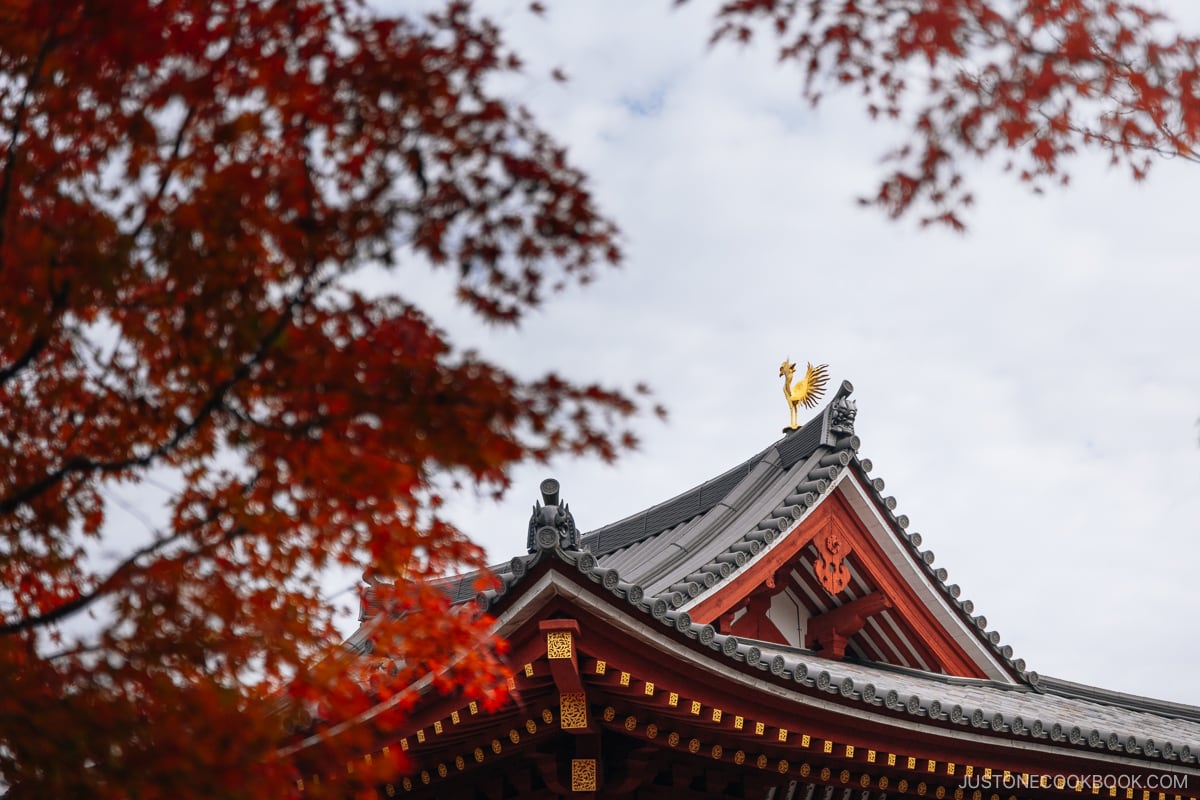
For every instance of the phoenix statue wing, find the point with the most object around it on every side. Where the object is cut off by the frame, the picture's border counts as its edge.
(809, 390)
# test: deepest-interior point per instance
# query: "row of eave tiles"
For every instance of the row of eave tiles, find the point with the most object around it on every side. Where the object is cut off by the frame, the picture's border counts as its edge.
(957, 702)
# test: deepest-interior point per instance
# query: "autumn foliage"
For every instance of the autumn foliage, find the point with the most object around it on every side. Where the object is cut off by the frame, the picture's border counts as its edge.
(1034, 80)
(207, 213)
(213, 388)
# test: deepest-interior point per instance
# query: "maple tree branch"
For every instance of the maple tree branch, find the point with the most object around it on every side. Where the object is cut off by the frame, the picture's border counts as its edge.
(84, 600)
(1113, 144)
(97, 399)
(10, 158)
(214, 403)
(36, 346)
(40, 339)
(74, 652)
(300, 428)
(168, 170)
(126, 568)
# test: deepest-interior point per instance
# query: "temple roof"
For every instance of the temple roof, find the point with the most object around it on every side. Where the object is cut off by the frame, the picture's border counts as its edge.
(688, 547)
(660, 592)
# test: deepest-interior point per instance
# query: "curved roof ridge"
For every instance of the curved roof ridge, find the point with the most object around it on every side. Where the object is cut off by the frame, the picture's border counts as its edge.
(1133, 702)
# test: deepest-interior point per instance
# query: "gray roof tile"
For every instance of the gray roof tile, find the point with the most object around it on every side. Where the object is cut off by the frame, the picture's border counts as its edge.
(1053, 711)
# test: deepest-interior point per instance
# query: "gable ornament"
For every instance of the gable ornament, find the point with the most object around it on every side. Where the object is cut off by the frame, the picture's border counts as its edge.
(832, 549)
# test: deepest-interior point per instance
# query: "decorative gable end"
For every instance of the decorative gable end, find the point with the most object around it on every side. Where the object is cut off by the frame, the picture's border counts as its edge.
(852, 601)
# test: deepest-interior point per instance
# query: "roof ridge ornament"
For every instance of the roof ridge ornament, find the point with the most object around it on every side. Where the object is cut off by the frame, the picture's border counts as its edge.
(842, 412)
(551, 525)
(805, 393)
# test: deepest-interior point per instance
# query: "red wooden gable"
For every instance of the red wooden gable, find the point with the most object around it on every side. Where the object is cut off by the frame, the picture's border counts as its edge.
(835, 583)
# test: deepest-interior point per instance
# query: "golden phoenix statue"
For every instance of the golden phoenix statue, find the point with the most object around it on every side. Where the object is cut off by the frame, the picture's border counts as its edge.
(804, 393)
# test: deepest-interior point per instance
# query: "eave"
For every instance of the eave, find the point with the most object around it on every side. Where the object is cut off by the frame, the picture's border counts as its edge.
(799, 713)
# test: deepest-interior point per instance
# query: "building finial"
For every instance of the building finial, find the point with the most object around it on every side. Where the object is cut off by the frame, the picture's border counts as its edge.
(841, 416)
(551, 525)
(806, 392)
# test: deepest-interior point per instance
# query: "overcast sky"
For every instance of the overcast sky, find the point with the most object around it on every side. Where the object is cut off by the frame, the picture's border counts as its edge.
(1029, 391)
